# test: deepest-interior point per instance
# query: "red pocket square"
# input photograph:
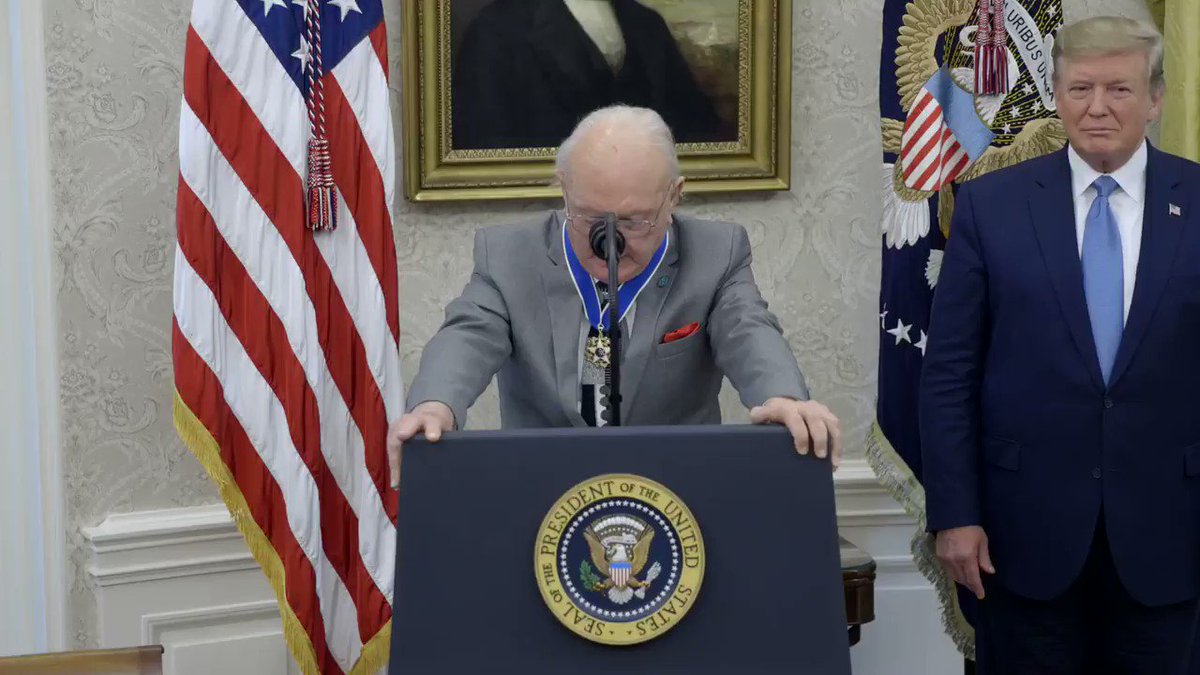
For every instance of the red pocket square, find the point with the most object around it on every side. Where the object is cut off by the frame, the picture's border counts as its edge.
(680, 333)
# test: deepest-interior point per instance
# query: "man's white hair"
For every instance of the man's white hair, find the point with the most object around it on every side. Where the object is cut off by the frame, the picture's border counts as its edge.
(1104, 35)
(632, 122)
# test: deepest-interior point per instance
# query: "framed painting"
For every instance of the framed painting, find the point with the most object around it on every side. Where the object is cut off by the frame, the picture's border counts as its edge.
(491, 87)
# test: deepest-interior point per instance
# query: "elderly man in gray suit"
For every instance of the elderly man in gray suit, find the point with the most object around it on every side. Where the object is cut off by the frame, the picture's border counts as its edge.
(691, 309)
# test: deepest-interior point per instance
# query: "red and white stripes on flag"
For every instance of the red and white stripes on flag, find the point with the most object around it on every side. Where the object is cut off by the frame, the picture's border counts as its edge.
(620, 573)
(285, 341)
(931, 156)
(943, 134)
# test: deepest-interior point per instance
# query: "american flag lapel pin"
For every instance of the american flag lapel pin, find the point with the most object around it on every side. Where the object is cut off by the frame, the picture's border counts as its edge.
(1174, 210)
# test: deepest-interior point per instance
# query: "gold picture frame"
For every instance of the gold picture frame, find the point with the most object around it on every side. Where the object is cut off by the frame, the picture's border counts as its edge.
(756, 102)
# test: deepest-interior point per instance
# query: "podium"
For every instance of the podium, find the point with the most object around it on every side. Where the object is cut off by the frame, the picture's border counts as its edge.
(481, 513)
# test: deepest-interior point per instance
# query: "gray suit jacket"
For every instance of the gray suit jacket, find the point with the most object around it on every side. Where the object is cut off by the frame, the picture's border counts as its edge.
(520, 316)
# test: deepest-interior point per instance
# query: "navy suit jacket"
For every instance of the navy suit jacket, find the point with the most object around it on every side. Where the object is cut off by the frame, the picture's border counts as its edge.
(1020, 434)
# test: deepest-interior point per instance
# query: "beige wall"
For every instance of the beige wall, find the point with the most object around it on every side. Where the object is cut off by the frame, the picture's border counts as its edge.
(113, 76)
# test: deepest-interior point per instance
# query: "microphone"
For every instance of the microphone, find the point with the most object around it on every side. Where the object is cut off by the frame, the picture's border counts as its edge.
(598, 237)
(608, 243)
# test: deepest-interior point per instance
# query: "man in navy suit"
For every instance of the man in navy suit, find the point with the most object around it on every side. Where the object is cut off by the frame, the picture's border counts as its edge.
(1060, 396)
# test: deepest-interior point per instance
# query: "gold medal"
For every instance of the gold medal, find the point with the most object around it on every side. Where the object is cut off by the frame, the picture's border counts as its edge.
(598, 350)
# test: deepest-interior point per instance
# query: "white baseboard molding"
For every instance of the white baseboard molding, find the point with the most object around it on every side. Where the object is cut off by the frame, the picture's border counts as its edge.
(155, 626)
(184, 578)
(144, 529)
(131, 548)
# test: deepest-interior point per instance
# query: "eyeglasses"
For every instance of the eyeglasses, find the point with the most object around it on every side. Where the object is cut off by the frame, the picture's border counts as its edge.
(633, 226)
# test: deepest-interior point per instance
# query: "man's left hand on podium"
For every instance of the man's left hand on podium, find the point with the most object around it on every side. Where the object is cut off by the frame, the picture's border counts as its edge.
(811, 423)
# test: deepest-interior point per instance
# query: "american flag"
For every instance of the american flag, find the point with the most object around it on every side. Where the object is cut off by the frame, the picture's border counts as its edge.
(285, 339)
(943, 135)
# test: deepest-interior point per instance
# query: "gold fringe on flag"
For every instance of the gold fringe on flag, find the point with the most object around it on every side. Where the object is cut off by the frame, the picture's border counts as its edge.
(895, 476)
(201, 444)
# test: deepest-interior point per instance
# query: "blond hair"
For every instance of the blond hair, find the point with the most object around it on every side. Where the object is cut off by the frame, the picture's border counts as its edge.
(1103, 35)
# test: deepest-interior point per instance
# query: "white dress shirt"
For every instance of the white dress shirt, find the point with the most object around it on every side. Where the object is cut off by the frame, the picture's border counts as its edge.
(1128, 207)
(600, 23)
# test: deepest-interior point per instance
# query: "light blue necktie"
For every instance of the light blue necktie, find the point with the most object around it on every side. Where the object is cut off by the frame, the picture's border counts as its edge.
(1104, 275)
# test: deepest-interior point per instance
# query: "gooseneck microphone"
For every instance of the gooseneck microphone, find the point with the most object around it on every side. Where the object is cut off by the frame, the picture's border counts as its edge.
(608, 243)
(599, 237)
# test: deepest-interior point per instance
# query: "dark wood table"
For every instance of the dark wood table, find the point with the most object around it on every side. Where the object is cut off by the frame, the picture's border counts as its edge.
(858, 580)
(131, 661)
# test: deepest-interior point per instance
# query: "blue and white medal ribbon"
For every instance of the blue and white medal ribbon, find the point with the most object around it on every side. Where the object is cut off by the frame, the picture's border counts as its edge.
(627, 294)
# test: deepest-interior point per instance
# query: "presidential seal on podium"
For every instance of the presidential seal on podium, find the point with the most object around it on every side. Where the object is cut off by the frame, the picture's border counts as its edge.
(619, 559)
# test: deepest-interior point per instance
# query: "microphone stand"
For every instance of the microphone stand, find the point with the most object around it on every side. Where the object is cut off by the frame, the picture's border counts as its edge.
(613, 255)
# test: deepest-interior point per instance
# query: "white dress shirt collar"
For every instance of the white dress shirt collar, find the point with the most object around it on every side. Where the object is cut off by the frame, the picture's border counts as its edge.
(1130, 177)
(599, 21)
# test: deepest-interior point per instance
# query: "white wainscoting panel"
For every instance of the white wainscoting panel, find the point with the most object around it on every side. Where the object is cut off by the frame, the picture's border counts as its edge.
(906, 637)
(243, 638)
(184, 579)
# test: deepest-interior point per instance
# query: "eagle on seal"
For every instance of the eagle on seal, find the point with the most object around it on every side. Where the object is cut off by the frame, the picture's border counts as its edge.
(620, 548)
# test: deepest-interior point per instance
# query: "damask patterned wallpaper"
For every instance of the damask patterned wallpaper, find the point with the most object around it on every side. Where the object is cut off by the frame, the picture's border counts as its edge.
(113, 75)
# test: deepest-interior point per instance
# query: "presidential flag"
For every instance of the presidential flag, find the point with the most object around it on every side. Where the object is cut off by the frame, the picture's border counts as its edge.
(285, 306)
(965, 87)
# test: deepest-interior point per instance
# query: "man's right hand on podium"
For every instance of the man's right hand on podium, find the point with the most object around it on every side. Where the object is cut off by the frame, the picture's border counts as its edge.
(430, 418)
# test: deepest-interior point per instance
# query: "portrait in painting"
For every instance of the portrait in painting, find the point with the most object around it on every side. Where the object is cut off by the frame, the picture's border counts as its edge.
(491, 87)
(523, 73)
